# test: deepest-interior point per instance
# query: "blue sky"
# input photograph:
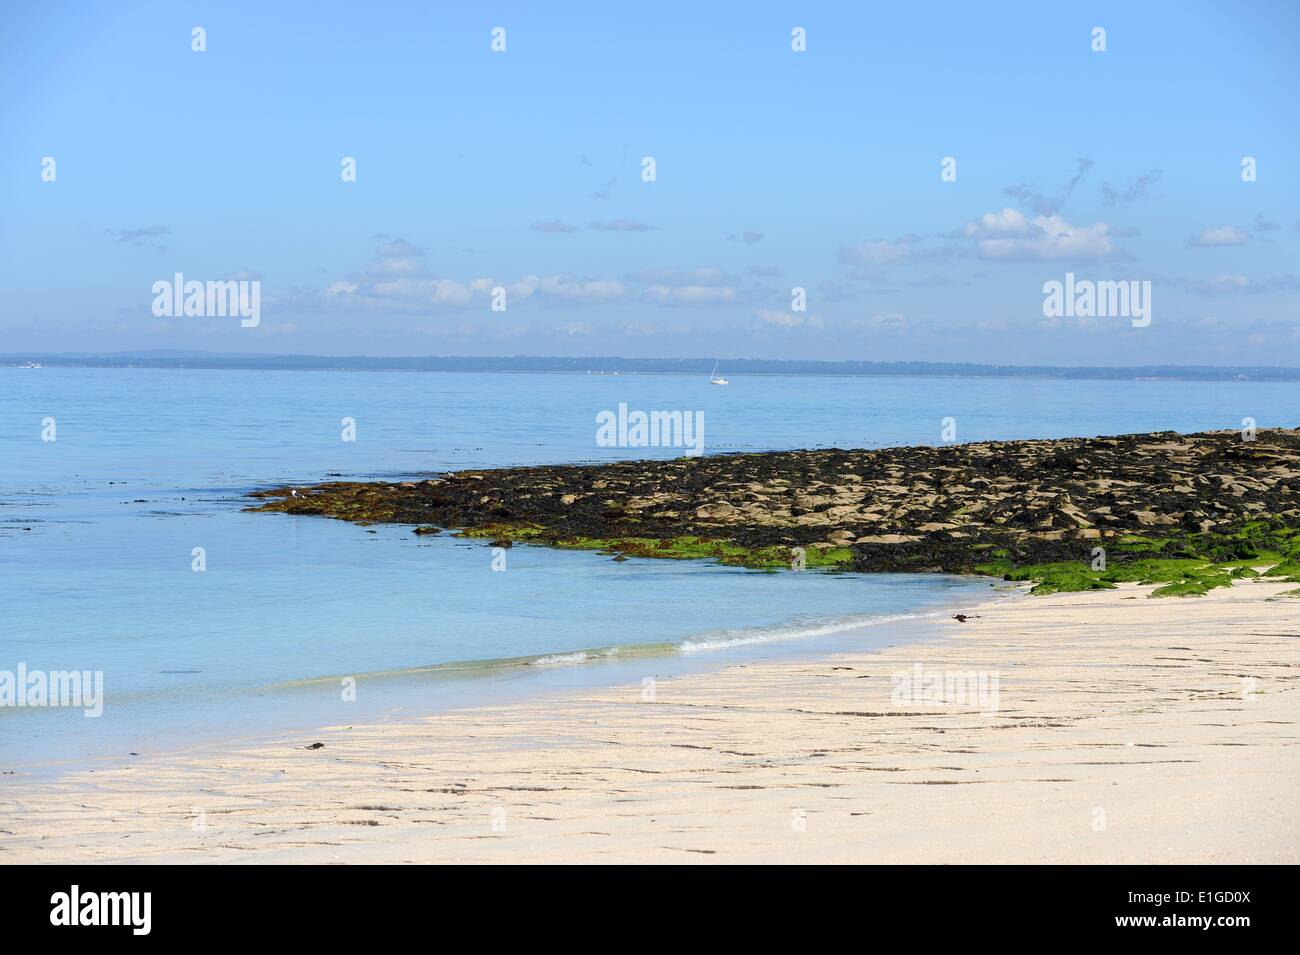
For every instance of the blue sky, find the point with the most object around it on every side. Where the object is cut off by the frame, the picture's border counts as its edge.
(774, 169)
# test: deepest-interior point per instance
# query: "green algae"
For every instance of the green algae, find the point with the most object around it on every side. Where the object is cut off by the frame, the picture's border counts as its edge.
(516, 531)
(1288, 570)
(671, 548)
(1179, 577)
(1187, 565)
(703, 548)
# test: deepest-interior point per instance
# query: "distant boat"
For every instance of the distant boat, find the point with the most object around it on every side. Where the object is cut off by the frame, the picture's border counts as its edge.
(714, 379)
(32, 364)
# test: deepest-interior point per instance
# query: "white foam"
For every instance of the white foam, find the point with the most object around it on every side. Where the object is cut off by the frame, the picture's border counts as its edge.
(745, 638)
(561, 659)
(570, 659)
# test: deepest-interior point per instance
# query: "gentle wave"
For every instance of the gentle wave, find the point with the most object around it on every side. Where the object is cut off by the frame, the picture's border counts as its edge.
(577, 656)
(759, 635)
(722, 640)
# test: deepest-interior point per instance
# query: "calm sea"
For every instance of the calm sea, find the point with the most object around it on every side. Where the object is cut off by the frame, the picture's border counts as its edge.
(98, 529)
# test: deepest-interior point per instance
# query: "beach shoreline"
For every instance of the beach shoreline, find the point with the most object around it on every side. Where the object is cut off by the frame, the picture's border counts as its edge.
(302, 705)
(1122, 730)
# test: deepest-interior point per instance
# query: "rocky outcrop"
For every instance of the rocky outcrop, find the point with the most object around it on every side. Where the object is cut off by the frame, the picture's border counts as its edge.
(910, 508)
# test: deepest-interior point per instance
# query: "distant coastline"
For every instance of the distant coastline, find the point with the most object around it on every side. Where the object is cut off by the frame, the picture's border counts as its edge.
(650, 366)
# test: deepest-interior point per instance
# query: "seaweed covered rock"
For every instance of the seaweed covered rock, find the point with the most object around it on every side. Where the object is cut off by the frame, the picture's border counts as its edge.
(990, 507)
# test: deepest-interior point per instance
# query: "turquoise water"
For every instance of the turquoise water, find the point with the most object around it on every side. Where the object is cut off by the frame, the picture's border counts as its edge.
(97, 529)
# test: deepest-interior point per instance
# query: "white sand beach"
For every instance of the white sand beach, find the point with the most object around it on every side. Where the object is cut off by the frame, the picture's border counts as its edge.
(1127, 730)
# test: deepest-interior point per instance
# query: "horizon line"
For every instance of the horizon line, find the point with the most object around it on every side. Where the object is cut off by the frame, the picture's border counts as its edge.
(597, 364)
(178, 353)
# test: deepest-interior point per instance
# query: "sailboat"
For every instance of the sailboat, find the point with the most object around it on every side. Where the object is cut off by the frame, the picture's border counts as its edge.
(714, 379)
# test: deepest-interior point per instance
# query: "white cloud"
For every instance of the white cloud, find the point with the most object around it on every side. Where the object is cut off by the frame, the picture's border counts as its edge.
(680, 277)
(399, 249)
(418, 294)
(553, 225)
(341, 289)
(621, 225)
(1008, 222)
(877, 252)
(1231, 284)
(1011, 237)
(395, 266)
(1222, 285)
(689, 294)
(146, 235)
(1220, 235)
(567, 289)
(397, 279)
(889, 322)
(785, 319)
(684, 286)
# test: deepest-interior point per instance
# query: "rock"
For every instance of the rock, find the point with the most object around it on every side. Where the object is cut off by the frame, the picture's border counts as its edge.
(904, 509)
(714, 511)
(1148, 518)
